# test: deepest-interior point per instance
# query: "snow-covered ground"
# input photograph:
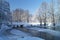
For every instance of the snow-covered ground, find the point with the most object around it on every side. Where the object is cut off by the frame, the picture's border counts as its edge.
(18, 35)
(4, 28)
(25, 38)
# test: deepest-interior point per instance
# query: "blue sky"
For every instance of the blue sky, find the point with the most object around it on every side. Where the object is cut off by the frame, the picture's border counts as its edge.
(31, 5)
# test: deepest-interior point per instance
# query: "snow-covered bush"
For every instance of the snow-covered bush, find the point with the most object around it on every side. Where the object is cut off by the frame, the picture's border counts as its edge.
(4, 27)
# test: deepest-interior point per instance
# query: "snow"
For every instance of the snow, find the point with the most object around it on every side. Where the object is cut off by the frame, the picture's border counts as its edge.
(21, 23)
(1, 38)
(25, 38)
(30, 38)
(34, 23)
(49, 24)
(22, 36)
(18, 23)
(3, 28)
(18, 35)
(17, 32)
(52, 32)
(58, 24)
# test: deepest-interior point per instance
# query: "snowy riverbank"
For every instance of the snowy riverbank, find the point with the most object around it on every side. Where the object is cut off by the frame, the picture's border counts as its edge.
(18, 35)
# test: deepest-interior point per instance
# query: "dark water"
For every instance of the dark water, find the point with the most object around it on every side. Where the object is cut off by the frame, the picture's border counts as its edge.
(47, 36)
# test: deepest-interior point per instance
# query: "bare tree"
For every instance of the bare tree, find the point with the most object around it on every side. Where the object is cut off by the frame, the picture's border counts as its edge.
(17, 15)
(39, 16)
(53, 21)
(44, 11)
(21, 15)
(27, 14)
(58, 13)
(52, 12)
(40, 20)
